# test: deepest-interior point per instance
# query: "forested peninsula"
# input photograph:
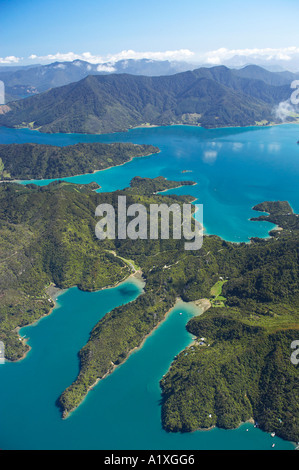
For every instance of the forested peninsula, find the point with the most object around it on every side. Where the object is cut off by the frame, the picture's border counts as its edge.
(38, 161)
(243, 369)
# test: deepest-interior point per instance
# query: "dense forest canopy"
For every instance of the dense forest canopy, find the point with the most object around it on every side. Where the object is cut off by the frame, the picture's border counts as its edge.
(209, 97)
(243, 370)
(38, 161)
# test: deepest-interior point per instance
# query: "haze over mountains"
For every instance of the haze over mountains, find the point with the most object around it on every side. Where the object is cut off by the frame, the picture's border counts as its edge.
(273, 64)
(210, 97)
(24, 81)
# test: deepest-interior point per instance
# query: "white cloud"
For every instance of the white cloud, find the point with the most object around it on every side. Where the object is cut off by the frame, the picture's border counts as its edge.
(284, 110)
(274, 147)
(237, 146)
(67, 57)
(216, 144)
(181, 54)
(105, 68)
(9, 60)
(221, 55)
(210, 156)
(214, 57)
(60, 66)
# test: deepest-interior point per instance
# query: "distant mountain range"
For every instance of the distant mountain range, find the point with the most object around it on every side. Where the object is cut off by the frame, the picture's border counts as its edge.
(271, 78)
(21, 82)
(273, 64)
(210, 97)
(25, 81)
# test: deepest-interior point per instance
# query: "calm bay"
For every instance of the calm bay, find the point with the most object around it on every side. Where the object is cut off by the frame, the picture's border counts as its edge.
(234, 169)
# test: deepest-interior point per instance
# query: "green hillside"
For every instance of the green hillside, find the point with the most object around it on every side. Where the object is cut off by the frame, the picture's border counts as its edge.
(244, 370)
(36, 161)
(215, 97)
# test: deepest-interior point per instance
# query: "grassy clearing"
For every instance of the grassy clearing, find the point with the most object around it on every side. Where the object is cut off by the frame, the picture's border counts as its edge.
(217, 300)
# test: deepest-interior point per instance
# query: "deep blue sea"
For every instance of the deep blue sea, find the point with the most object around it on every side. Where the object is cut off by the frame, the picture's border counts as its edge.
(234, 169)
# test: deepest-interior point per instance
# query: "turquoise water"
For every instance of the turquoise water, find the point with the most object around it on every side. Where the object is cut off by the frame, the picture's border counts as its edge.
(234, 170)
(122, 411)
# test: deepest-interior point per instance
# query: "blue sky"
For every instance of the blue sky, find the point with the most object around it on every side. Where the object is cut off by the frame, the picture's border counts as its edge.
(105, 28)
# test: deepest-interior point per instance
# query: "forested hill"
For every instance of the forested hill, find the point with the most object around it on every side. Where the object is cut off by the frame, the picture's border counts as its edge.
(215, 97)
(243, 370)
(240, 367)
(36, 161)
(47, 235)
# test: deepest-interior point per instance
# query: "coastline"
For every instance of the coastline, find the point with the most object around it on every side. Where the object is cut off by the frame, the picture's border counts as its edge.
(51, 290)
(66, 415)
(177, 187)
(62, 178)
(108, 167)
(142, 126)
(137, 276)
(54, 292)
(139, 347)
(202, 305)
(249, 421)
(270, 124)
